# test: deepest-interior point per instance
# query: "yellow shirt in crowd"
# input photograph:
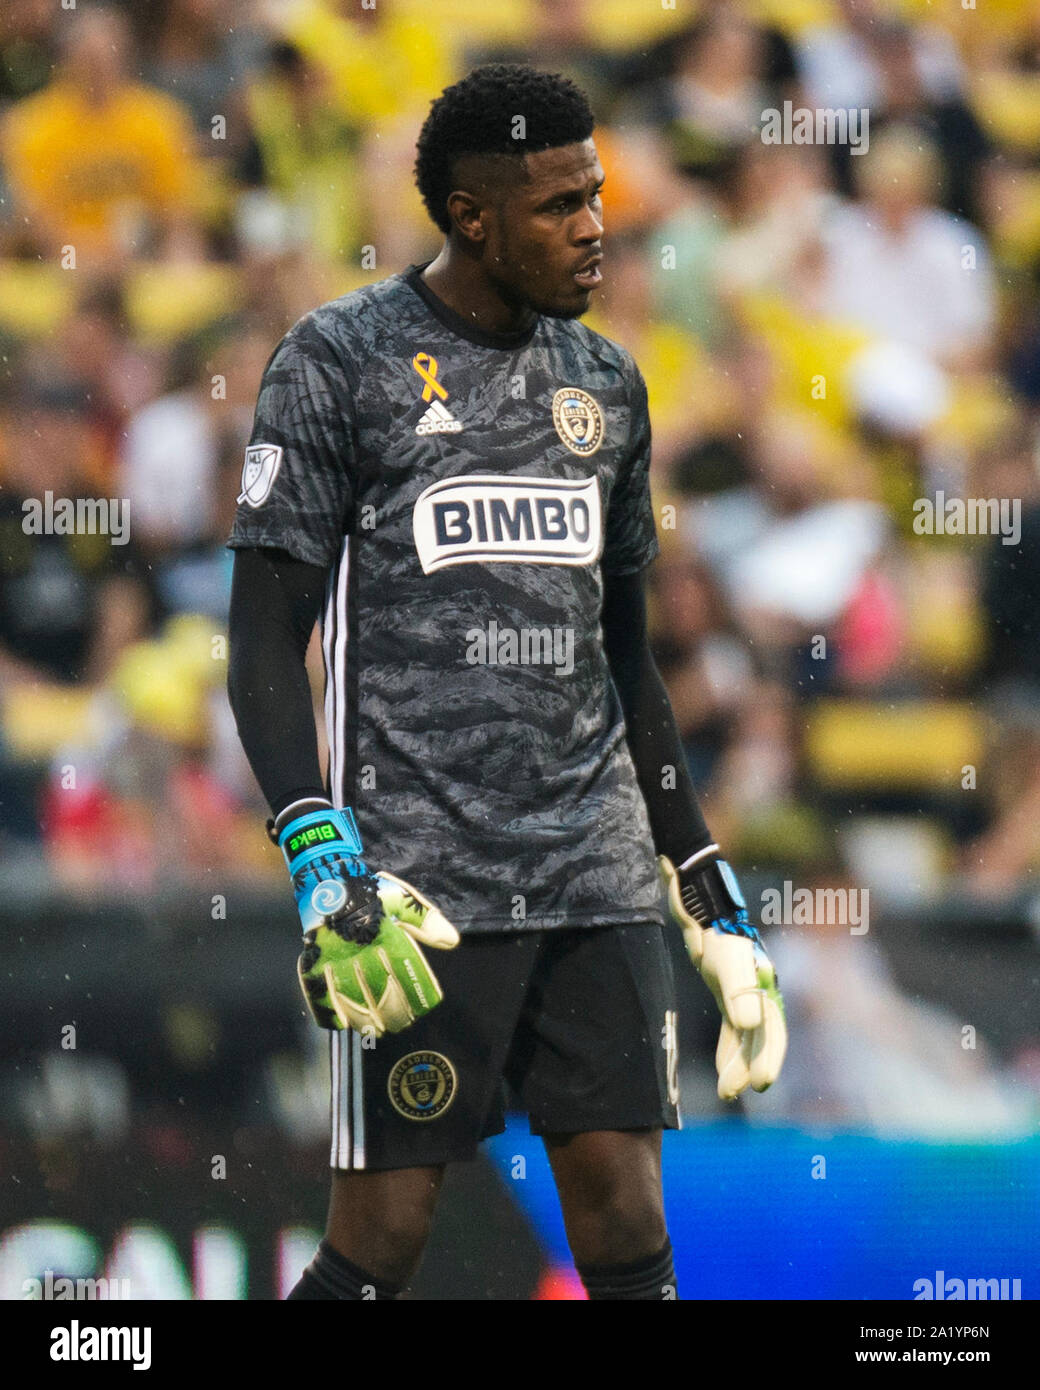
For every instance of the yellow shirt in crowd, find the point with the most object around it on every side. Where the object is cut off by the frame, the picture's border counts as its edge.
(378, 70)
(83, 167)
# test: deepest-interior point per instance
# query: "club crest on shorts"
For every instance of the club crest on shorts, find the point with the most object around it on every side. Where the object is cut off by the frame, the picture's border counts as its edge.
(422, 1085)
(259, 472)
(578, 420)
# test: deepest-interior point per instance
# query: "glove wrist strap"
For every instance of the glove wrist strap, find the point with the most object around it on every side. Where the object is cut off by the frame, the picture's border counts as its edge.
(295, 808)
(301, 807)
(317, 832)
(710, 892)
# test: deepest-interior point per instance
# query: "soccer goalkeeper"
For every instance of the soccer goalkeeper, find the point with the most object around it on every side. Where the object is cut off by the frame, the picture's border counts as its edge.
(450, 473)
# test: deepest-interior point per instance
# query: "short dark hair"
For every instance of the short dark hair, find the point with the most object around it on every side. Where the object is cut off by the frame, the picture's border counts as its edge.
(477, 116)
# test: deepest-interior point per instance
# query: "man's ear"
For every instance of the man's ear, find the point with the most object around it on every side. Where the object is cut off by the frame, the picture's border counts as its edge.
(467, 215)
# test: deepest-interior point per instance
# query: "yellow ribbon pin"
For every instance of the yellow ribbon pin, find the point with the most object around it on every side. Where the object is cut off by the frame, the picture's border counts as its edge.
(426, 366)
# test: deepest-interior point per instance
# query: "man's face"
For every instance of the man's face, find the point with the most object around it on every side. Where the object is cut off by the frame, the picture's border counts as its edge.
(543, 233)
(96, 60)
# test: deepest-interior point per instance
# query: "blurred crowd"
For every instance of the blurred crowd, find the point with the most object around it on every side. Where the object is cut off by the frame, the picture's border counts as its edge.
(829, 334)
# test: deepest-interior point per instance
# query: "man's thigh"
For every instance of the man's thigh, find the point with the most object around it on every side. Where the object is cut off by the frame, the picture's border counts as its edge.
(428, 1095)
(595, 1046)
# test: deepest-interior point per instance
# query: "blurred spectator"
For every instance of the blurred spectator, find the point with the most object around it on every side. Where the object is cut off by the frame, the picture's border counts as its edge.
(69, 602)
(173, 445)
(873, 1058)
(899, 266)
(96, 161)
(27, 47)
(711, 105)
(148, 804)
(574, 28)
(792, 552)
(705, 664)
(841, 63)
(1006, 857)
(778, 199)
(98, 354)
(200, 51)
(937, 109)
(308, 152)
(382, 60)
(1008, 851)
(1011, 573)
(668, 357)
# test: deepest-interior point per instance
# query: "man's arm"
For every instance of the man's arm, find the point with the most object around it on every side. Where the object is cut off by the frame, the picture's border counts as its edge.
(275, 601)
(676, 820)
(703, 894)
(362, 964)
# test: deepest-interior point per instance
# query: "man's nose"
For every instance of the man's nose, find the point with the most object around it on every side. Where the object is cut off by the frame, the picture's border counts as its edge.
(588, 226)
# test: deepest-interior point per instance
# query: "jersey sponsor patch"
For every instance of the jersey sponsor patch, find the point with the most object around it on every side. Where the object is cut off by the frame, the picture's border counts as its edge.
(422, 1085)
(487, 518)
(259, 472)
(578, 420)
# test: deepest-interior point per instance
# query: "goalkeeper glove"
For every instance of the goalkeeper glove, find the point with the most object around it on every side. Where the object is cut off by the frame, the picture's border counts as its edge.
(362, 964)
(706, 901)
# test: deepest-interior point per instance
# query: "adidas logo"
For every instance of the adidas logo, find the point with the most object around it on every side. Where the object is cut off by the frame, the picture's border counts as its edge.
(438, 420)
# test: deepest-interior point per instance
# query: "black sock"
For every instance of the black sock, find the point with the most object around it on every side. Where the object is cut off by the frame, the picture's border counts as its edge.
(331, 1275)
(651, 1279)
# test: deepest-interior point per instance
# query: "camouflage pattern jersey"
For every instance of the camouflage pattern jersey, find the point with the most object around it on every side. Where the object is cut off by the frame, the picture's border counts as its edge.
(466, 491)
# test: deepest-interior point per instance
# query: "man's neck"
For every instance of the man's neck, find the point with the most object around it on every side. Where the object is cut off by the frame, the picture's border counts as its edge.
(459, 281)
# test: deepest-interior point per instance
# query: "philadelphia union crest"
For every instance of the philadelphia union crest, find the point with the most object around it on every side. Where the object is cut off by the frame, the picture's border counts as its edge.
(578, 420)
(422, 1085)
(259, 472)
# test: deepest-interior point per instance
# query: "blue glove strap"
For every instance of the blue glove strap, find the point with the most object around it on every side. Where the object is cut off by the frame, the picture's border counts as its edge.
(735, 923)
(320, 833)
(729, 878)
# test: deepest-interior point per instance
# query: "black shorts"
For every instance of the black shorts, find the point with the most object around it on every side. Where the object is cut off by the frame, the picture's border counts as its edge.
(581, 1023)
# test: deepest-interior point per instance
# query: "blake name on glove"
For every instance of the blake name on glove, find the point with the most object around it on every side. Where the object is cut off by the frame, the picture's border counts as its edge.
(320, 833)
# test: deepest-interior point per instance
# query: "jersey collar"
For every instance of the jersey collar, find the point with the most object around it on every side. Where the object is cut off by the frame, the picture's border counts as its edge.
(456, 323)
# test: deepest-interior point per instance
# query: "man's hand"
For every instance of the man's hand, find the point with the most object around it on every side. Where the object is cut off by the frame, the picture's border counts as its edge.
(362, 965)
(707, 903)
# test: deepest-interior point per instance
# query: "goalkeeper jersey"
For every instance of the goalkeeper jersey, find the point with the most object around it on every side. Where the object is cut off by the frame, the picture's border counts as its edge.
(465, 491)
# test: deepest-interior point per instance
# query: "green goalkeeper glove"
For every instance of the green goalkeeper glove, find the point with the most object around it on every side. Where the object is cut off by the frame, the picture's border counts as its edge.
(708, 905)
(362, 964)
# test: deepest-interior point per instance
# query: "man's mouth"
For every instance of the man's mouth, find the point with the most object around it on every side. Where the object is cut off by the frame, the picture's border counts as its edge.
(588, 277)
